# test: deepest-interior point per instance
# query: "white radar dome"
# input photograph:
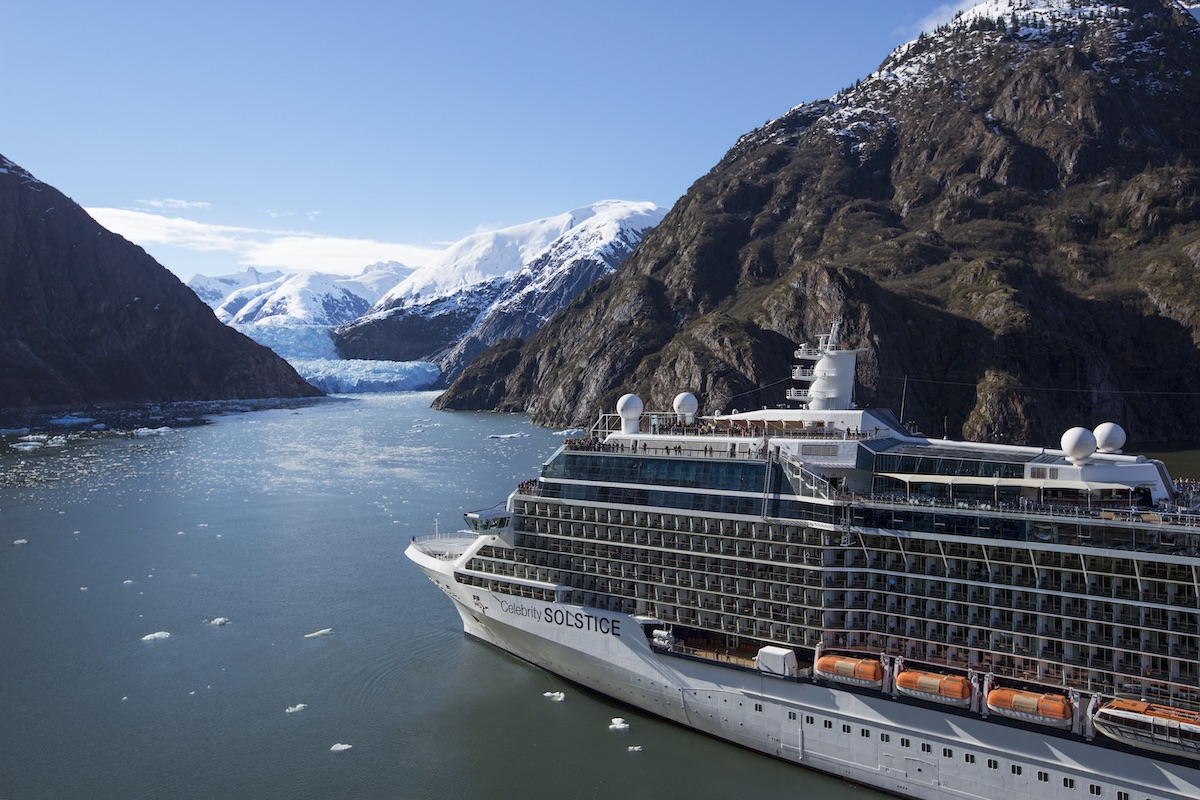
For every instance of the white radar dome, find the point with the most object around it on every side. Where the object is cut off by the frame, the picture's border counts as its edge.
(630, 405)
(629, 409)
(1110, 437)
(686, 403)
(1078, 444)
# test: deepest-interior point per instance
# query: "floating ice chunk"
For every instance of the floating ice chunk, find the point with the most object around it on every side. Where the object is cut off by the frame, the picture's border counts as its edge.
(152, 431)
(618, 724)
(71, 421)
(157, 635)
(557, 697)
(20, 541)
(128, 583)
(571, 432)
(339, 747)
(507, 435)
(218, 621)
(634, 748)
(322, 632)
(295, 708)
(83, 588)
(26, 445)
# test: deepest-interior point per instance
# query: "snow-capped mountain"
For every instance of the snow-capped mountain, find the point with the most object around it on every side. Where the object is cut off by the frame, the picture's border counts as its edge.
(305, 298)
(213, 291)
(486, 287)
(497, 285)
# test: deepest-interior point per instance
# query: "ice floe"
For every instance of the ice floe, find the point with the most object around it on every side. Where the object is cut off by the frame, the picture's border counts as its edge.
(557, 697)
(295, 708)
(20, 541)
(157, 635)
(618, 724)
(219, 621)
(152, 431)
(507, 435)
(339, 747)
(634, 748)
(321, 633)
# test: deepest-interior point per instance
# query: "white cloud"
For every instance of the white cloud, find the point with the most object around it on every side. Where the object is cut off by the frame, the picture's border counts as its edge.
(291, 250)
(942, 14)
(172, 203)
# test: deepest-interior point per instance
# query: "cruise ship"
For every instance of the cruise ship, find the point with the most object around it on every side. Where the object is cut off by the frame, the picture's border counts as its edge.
(932, 618)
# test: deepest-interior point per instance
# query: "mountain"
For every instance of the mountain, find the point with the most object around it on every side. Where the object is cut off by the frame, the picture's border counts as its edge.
(87, 317)
(1005, 215)
(213, 291)
(295, 314)
(497, 284)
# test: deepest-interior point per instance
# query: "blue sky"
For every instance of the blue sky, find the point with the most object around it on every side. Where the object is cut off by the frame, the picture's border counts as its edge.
(322, 135)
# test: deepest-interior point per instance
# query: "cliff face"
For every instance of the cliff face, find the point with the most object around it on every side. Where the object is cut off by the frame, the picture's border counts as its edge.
(1005, 214)
(87, 317)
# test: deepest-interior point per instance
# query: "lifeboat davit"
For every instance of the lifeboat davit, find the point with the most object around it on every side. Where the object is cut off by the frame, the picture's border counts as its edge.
(855, 671)
(1164, 729)
(954, 690)
(1054, 710)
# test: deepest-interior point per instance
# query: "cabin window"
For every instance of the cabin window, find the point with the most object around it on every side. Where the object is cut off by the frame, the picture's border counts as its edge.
(993, 764)
(1042, 776)
(883, 737)
(828, 724)
(865, 733)
(1094, 789)
(905, 742)
(845, 729)
(1122, 795)
(808, 720)
(1069, 783)
(1016, 770)
(947, 752)
(926, 747)
(792, 715)
(758, 706)
(969, 758)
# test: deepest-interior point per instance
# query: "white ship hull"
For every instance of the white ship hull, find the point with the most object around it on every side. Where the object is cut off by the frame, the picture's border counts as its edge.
(895, 745)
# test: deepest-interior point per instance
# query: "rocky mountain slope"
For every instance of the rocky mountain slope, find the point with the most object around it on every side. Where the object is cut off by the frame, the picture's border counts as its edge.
(497, 284)
(1006, 214)
(86, 317)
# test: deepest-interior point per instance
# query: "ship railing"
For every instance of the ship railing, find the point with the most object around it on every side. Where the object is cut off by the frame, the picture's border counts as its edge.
(672, 424)
(804, 482)
(1031, 510)
(446, 546)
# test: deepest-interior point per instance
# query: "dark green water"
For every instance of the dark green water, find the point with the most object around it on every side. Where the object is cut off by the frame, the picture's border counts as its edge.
(288, 522)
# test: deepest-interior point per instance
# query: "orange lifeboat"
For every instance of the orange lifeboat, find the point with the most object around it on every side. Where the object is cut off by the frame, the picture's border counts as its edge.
(1054, 710)
(1163, 729)
(844, 669)
(954, 690)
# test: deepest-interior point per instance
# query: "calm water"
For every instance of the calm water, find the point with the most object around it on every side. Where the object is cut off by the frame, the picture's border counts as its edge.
(285, 523)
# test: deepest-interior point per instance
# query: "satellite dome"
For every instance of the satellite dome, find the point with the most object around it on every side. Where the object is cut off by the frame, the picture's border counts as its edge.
(686, 403)
(1110, 437)
(629, 406)
(629, 409)
(1078, 444)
